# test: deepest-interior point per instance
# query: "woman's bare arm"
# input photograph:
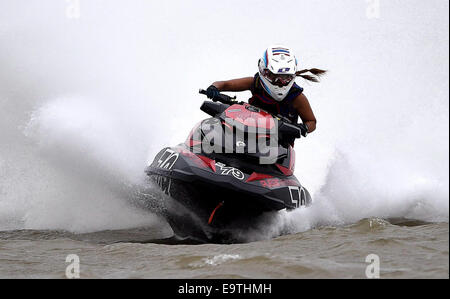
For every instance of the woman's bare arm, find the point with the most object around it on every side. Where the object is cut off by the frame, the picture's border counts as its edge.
(304, 110)
(241, 84)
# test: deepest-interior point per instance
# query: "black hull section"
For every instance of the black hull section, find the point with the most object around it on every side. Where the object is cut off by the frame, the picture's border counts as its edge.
(211, 199)
(204, 199)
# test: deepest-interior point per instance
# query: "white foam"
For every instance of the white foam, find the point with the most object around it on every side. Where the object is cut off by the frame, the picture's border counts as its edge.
(220, 259)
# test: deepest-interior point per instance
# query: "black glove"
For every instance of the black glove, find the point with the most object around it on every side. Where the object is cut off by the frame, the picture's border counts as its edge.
(304, 128)
(212, 92)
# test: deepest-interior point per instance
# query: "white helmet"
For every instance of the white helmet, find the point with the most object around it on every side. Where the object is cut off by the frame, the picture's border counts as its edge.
(277, 70)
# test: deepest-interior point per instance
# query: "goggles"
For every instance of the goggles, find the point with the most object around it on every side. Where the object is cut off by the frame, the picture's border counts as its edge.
(278, 79)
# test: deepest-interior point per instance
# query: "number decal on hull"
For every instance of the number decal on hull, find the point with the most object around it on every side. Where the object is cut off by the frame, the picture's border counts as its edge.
(167, 159)
(298, 196)
(164, 183)
(227, 170)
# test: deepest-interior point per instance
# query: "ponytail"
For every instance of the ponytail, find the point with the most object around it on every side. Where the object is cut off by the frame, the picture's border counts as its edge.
(316, 72)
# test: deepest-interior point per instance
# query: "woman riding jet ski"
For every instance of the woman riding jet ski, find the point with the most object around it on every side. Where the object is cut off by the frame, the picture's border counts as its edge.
(274, 88)
(242, 177)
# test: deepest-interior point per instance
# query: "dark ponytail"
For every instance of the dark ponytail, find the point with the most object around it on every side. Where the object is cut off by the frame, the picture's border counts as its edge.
(316, 72)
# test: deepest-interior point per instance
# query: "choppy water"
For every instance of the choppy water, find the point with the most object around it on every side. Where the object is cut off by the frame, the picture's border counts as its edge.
(407, 249)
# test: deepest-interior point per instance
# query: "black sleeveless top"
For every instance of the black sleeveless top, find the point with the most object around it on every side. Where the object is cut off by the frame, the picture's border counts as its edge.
(260, 98)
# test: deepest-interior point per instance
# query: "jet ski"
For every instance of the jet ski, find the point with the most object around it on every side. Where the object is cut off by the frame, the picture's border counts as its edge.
(234, 167)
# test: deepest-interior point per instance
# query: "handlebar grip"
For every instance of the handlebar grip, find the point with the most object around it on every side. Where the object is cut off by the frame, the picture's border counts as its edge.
(223, 98)
(304, 128)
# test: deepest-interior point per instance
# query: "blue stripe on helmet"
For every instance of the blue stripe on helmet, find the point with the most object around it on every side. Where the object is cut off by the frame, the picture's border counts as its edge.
(265, 58)
(280, 51)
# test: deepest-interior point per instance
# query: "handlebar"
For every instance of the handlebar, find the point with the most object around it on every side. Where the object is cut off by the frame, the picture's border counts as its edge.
(225, 99)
